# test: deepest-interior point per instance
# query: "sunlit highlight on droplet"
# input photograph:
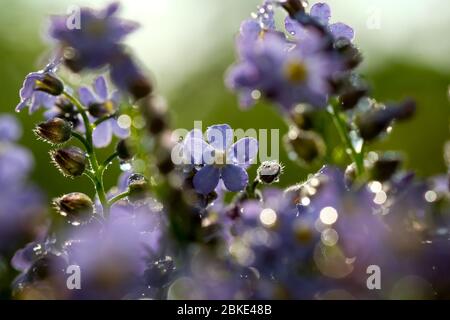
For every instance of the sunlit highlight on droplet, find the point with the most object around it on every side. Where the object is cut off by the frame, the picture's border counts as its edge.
(328, 215)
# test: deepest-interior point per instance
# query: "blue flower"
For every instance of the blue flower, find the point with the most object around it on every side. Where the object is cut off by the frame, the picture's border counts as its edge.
(221, 159)
(97, 40)
(30, 93)
(10, 129)
(322, 13)
(284, 72)
(21, 203)
(103, 103)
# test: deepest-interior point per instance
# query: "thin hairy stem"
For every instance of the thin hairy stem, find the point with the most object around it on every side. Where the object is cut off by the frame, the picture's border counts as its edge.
(97, 176)
(345, 138)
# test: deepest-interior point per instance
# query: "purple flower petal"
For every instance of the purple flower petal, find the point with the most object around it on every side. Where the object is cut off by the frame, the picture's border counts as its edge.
(250, 30)
(111, 9)
(10, 129)
(116, 97)
(294, 28)
(101, 88)
(86, 96)
(341, 30)
(220, 136)
(197, 151)
(244, 151)
(206, 180)
(118, 131)
(322, 12)
(102, 135)
(234, 177)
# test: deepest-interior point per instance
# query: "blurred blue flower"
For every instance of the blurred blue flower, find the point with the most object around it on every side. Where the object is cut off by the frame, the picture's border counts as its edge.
(10, 130)
(322, 13)
(285, 72)
(221, 159)
(21, 202)
(96, 41)
(104, 103)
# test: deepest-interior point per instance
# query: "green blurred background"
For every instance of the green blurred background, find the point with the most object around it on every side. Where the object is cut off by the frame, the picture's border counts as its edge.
(188, 45)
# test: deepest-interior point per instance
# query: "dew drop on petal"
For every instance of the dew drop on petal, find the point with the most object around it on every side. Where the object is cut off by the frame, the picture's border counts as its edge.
(125, 166)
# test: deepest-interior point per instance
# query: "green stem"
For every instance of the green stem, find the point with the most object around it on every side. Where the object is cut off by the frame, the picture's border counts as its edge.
(80, 138)
(109, 160)
(343, 134)
(120, 196)
(97, 176)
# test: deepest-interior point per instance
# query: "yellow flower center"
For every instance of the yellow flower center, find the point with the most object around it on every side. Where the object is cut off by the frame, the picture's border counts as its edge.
(296, 71)
(109, 106)
(220, 158)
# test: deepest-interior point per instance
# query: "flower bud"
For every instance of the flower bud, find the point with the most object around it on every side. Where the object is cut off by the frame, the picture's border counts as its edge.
(352, 91)
(269, 171)
(77, 207)
(351, 55)
(71, 161)
(49, 84)
(293, 7)
(155, 112)
(376, 121)
(125, 150)
(304, 146)
(54, 131)
(137, 188)
(67, 111)
(304, 117)
(384, 165)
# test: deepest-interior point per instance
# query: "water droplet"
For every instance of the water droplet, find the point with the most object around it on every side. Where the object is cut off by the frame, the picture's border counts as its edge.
(125, 166)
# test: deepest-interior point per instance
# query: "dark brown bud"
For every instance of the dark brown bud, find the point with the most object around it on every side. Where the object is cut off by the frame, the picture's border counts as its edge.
(49, 84)
(138, 188)
(375, 121)
(384, 165)
(54, 131)
(304, 146)
(77, 207)
(125, 150)
(70, 161)
(269, 172)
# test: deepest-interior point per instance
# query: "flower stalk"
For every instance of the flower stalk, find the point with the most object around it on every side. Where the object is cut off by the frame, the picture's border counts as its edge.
(355, 156)
(97, 170)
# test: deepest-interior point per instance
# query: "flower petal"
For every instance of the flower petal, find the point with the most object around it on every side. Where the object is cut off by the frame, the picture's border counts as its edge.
(102, 135)
(86, 96)
(220, 136)
(101, 88)
(341, 30)
(206, 180)
(250, 29)
(322, 12)
(294, 28)
(118, 131)
(234, 177)
(197, 151)
(244, 151)
(10, 129)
